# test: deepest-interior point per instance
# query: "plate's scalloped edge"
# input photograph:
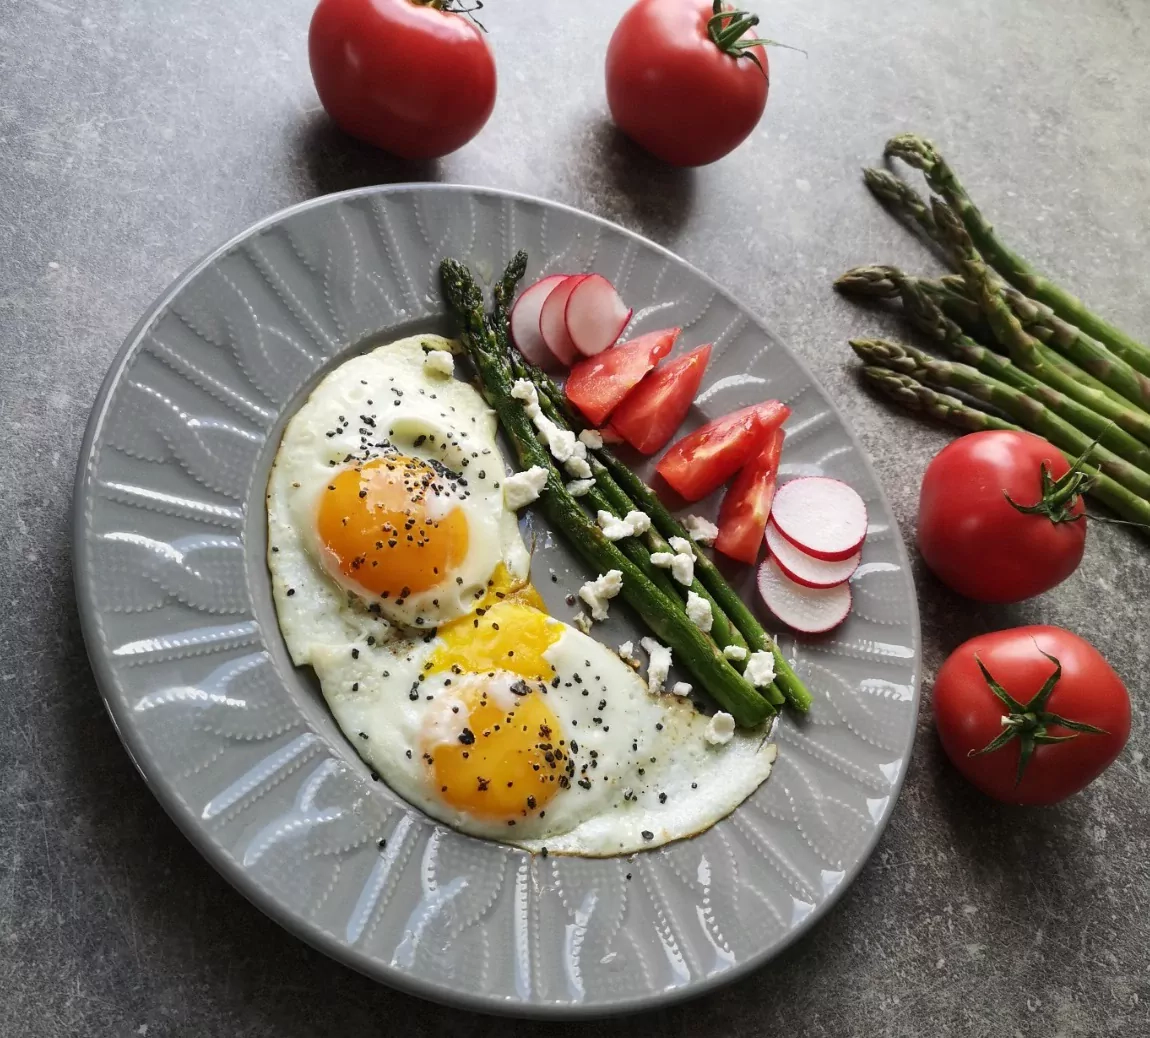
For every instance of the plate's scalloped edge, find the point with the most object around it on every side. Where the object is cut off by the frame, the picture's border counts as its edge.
(211, 845)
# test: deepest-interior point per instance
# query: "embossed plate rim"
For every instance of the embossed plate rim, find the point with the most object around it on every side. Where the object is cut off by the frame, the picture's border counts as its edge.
(213, 849)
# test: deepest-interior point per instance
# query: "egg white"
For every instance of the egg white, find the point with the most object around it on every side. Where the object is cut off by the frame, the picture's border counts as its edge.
(422, 415)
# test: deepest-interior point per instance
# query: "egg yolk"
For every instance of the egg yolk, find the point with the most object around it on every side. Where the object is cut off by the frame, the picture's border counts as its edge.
(374, 521)
(511, 635)
(508, 761)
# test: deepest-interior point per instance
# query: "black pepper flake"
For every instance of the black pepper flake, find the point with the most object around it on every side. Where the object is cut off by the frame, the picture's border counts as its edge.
(363, 735)
(290, 591)
(467, 737)
(382, 844)
(662, 798)
(647, 834)
(483, 784)
(355, 654)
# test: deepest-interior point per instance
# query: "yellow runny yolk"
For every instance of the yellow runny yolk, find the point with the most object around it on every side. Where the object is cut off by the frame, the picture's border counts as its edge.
(374, 521)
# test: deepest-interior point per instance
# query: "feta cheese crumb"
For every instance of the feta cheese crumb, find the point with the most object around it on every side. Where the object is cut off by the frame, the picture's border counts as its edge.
(699, 611)
(593, 438)
(700, 530)
(760, 670)
(598, 592)
(681, 545)
(640, 522)
(627, 655)
(735, 652)
(524, 487)
(662, 559)
(579, 487)
(560, 442)
(680, 688)
(579, 468)
(659, 664)
(525, 391)
(439, 362)
(582, 622)
(614, 529)
(683, 568)
(720, 729)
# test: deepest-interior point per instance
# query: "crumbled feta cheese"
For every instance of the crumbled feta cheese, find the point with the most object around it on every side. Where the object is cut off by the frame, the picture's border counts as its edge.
(720, 729)
(683, 568)
(640, 522)
(760, 670)
(439, 362)
(579, 450)
(735, 652)
(579, 468)
(593, 438)
(680, 688)
(699, 611)
(662, 559)
(681, 545)
(614, 529)
(560, 442)
(627, 655)
(579, 487)
(701, 530)
(598, 592)
(659, 664)
(524, 487)
(582, 622)
(525, 391)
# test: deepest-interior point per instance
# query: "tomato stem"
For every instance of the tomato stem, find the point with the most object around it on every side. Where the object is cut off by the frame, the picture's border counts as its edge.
(455, 7)
(727, 27)
(1028, 722)
(1057, 497)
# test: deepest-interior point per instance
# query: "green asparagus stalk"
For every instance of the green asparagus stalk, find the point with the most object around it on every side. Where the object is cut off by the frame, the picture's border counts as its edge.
(707, 574)
(1023, 348)
(1027, 411)
(913, 396)
(921, 308)
(920, 153)
(905, 203)
(665, 617)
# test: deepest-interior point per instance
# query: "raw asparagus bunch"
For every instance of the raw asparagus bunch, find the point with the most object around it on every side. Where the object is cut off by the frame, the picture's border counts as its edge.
(662, 612)
(920, 153)
(920, 399)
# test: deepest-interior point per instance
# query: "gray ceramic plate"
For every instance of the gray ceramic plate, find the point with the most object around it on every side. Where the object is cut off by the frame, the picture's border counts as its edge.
(239, 746)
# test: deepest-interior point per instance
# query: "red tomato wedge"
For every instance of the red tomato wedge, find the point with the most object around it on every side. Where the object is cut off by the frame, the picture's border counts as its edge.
(654, 410)
(704, 460)
(747, 504)
(598, 384)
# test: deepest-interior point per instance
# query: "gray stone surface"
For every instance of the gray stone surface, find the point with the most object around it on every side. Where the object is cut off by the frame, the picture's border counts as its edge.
(135, 137)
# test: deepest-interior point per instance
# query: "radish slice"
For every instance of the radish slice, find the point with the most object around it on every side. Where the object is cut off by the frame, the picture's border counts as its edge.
(804, 609)
(552, 326)
(822, 517)
(525, 320)
(806, 569)
(595, 315)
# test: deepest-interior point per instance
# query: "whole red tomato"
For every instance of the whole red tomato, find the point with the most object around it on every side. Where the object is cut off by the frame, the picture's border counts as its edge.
(1000, 517)
(1030, 715)
(686, 79)
(410, 76)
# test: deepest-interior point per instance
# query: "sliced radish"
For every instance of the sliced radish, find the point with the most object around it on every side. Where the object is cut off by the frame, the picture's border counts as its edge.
(824, 517)
(804, 609)
(525, 320)
(806, 569)
(595, 315)
(552, 320)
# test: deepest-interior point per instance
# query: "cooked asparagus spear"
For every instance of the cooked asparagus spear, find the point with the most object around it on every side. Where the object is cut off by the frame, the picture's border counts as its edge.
(664, 616)
(920, 153)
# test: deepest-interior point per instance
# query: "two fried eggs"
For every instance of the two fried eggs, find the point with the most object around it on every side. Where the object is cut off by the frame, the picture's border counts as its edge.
(402, 579)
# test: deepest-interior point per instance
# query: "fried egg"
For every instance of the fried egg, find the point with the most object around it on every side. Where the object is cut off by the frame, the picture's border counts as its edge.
(440, 662)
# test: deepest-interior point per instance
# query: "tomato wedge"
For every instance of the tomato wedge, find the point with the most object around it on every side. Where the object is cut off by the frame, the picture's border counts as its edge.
(654, 410)
(747, 504)
(598, 384)
(704, 460)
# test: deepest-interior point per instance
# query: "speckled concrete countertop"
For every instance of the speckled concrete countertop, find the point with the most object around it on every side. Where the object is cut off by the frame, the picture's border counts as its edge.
(135, 137)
